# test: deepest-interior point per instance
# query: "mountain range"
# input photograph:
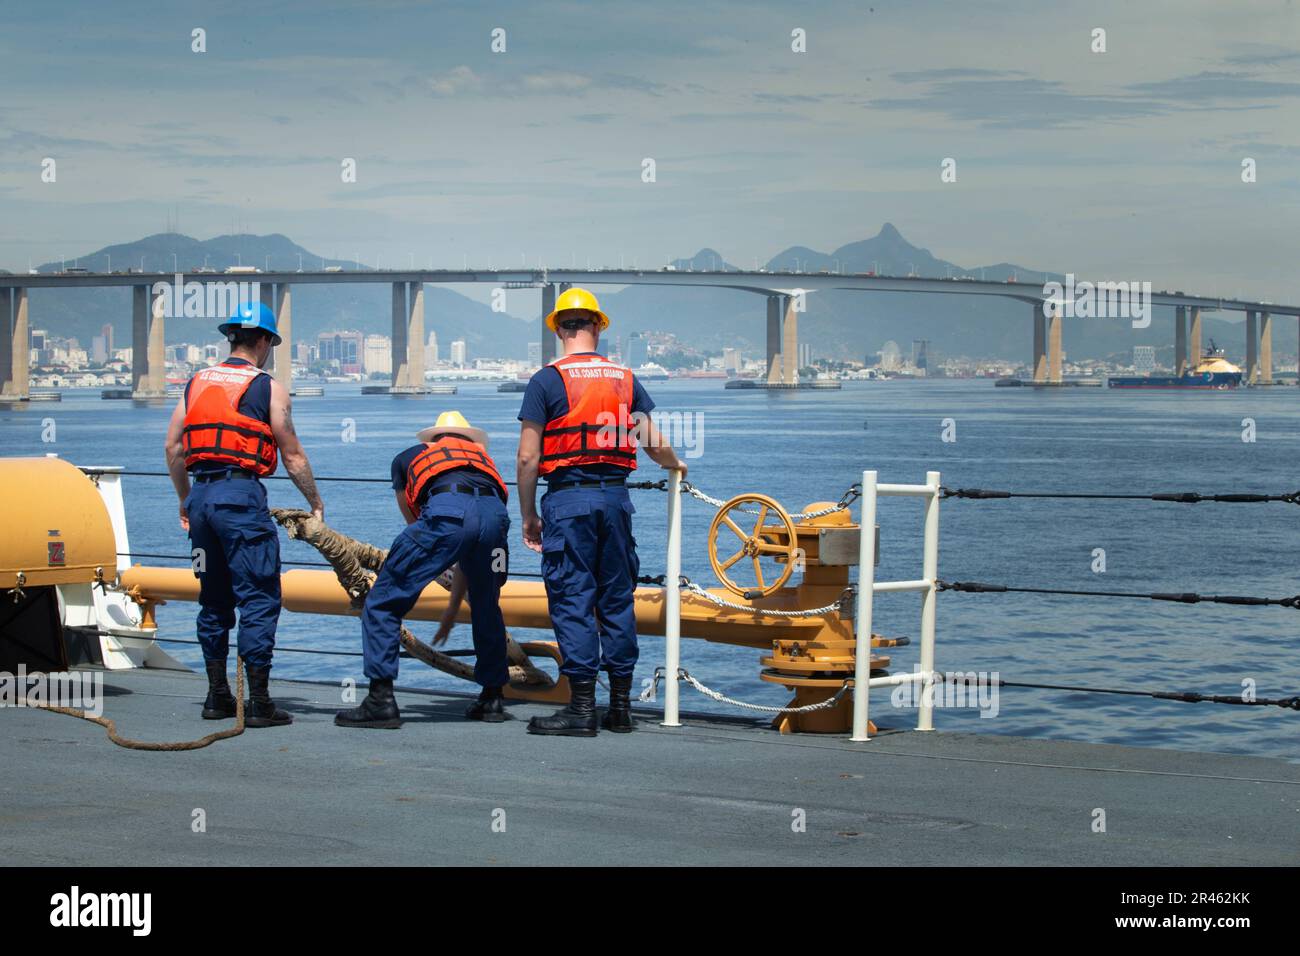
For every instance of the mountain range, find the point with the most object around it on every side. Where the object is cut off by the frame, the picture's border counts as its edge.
(839, 325)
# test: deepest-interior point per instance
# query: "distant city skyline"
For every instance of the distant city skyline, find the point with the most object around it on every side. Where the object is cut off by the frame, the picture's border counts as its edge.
(1125, 164)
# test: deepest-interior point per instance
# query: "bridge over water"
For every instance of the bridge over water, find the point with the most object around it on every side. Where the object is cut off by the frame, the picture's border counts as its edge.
(781, 290)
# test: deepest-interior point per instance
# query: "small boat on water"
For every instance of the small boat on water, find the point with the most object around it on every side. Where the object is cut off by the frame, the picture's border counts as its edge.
(1213, 371)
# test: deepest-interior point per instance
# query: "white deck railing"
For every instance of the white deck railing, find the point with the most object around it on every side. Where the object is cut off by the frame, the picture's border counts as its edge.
(868, 587)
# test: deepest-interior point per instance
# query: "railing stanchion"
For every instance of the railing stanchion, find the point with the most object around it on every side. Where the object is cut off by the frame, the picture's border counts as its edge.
(673, 602)
(929, 600)
(862, 612)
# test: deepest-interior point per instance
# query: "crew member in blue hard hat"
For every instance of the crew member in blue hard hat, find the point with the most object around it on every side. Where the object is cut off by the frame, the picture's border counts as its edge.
(228, 431)
(582, 420)
(454, 503)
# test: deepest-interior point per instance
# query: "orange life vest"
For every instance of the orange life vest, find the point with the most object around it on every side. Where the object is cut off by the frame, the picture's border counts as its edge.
(215, 430)
(442, 454)
(598, 428)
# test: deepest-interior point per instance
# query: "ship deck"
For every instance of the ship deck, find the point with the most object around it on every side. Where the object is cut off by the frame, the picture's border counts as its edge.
(716, 791)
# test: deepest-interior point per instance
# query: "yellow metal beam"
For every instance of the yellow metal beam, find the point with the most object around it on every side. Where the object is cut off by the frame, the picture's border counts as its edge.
(523, 604)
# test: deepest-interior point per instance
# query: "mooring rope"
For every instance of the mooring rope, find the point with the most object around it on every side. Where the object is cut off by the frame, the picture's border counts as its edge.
(1180, 497)
(356, 564)
(1183, 597)
(132, 744)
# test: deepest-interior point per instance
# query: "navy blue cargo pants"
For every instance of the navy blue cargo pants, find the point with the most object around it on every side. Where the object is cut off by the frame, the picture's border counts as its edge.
(237, 560)
(590, 566)
(453, 528)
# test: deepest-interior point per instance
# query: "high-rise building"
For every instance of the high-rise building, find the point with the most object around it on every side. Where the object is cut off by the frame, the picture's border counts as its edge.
(534, 354)
(107, 333)
(1144, 358)
(920, 354)
(341, 348)
(731, 360)
(805, 355)
(891, 357)
(99, 349)
(637, 353)
(431, 351)
(458, 353)
(377, 356)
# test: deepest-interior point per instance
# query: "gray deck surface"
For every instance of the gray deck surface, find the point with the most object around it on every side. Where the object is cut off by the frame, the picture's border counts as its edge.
(712, 792)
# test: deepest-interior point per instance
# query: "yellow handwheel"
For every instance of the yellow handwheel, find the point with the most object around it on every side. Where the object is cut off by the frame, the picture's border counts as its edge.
(753, 544)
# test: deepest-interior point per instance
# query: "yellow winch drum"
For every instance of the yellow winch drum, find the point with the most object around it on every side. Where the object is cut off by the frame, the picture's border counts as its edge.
(56, 528)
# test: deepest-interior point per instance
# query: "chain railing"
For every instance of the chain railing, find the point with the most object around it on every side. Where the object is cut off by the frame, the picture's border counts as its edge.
(854, 492)
(649, 694)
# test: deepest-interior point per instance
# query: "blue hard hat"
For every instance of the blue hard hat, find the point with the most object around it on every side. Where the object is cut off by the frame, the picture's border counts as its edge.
(252, 315)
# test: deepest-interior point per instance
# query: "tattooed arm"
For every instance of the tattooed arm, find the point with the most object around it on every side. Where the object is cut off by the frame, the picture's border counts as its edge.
(291, 451)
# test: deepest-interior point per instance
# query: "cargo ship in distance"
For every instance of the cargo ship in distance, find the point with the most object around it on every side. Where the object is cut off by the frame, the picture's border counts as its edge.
(1213, 371)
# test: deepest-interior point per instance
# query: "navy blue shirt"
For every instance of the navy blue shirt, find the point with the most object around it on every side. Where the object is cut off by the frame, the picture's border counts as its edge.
(256, 403)
(545, 400)
(466, 475)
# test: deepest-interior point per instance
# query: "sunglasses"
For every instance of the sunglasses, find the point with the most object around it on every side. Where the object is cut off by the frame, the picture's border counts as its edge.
(572, 325)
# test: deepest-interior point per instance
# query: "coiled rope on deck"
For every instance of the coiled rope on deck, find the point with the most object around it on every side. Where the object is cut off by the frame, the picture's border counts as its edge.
(132, 744)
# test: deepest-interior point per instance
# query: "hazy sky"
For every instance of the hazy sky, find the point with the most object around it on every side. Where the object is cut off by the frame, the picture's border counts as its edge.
(1123, 165)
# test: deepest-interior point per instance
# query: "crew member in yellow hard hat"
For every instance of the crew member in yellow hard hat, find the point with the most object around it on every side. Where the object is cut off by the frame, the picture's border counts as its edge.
(454, 503)
(582, 419)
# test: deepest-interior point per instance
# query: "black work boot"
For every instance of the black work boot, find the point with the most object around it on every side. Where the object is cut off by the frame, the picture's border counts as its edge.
(261, 710)
(377, 712)
(488, 707)
(576, 720)
(618, 719)
(220, 704)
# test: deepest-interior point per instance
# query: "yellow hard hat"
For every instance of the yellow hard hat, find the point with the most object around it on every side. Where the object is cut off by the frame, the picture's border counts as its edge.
(577, 298)
(455, 423)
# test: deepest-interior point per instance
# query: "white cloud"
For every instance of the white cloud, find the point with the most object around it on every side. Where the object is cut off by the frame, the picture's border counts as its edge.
(458, 79)
(556, 82)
